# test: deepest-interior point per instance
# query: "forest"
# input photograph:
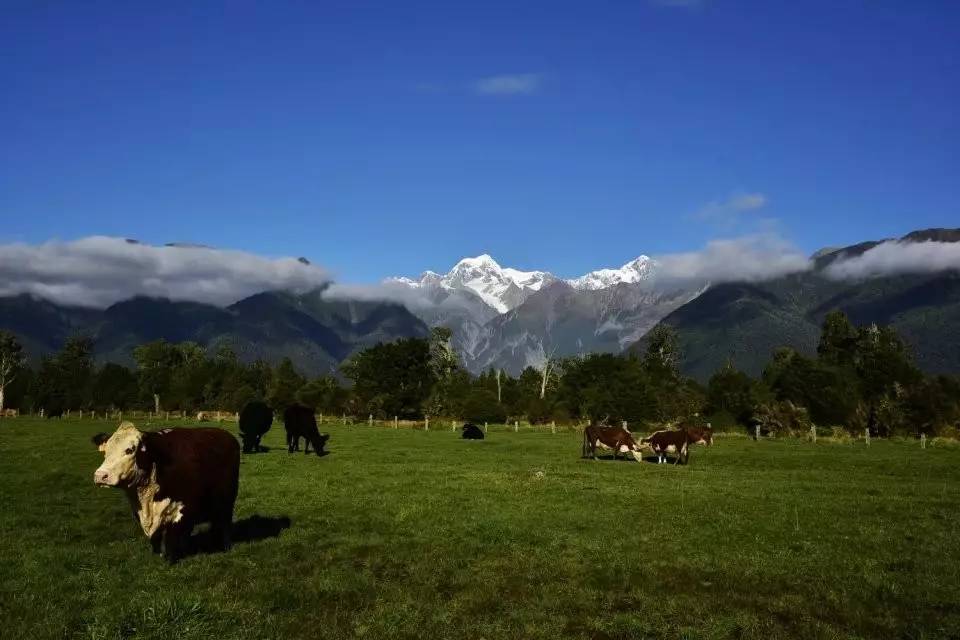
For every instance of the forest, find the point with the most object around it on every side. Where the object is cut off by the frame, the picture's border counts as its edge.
(860, 378)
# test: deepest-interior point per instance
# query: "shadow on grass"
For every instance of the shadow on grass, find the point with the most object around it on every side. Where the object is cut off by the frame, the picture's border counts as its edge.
(252, 529)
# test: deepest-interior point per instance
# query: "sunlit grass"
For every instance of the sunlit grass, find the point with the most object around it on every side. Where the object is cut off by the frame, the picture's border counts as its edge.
(414, 534)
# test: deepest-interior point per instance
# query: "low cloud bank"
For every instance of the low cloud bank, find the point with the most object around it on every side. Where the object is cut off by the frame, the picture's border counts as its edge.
(896, 257)
(749, 258)
(98, 271)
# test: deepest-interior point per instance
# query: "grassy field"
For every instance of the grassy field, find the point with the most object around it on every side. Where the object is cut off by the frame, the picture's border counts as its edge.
(412, 534)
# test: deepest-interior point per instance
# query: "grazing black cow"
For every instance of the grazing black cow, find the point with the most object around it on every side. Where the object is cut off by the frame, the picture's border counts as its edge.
(617, 439)
(472, 432)
(255, 420)
(300, 422)
(55, 413)
(174, 479)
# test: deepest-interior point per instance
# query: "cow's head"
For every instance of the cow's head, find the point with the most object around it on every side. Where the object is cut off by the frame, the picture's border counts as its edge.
(123, 455)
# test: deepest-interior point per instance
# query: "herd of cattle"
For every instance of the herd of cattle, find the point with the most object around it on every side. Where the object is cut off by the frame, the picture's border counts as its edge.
(177, 478)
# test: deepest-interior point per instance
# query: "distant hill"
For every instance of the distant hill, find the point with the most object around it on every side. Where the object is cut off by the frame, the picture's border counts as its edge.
(746, 322)
(316, 333)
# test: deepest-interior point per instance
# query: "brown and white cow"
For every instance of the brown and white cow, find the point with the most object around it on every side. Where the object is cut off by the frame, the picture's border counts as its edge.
(677, 441)
(699, 434)
(617, 439)
(174, 480)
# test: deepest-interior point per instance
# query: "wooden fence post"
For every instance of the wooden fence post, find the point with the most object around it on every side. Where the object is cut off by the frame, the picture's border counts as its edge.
(453, 425)
(344, 418)
(813, 434)
(321, 418)
(624, 425)
(866, 436)
(426, 423)
(484, 427)
(923, 441)
(370, 420)
(756, 433)
(553, 426)
(396, 424)
(516, 426)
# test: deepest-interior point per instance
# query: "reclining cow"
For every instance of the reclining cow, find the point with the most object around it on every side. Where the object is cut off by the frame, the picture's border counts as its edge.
(174, 480)
(472, 432)
(617, 439)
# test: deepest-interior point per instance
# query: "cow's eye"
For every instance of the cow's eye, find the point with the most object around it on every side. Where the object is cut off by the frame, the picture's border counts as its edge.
(130, 451)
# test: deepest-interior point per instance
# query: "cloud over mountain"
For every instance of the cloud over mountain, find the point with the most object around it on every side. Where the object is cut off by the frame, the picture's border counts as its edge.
(896, 257)
(98, 271)
(748, 258)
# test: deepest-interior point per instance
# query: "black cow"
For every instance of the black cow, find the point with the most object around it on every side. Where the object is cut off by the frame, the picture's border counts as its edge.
(256, 419)
(472, 432)
(300, 422)
(55, 413)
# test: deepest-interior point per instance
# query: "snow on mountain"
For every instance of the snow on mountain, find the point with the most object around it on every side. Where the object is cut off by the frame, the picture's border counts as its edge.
(504, 288)
(634, 271)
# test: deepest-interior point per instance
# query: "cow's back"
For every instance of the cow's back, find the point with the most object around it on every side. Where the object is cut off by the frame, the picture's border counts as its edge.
(199, 467)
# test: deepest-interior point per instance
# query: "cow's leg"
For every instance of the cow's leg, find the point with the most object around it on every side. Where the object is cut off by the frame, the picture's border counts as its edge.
(156, 541)
(175, 538)
(306, 445)
(221, 529)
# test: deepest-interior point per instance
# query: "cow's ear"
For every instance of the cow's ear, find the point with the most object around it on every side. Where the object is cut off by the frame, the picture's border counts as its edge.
(100, 441)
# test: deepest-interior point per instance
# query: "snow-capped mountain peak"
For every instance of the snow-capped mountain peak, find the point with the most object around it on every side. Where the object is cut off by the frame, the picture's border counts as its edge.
(504, 288)
(501, 288)
(636, 270)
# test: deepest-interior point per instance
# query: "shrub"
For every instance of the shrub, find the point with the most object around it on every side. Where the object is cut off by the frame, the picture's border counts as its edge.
(782, 418)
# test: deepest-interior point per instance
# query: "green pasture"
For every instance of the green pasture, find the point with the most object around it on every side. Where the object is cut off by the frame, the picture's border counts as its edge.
(418, 534)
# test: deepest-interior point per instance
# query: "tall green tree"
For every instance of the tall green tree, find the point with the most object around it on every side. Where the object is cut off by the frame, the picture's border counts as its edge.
(156, 362)
(12, 360)
(115, 387)
(392, 379)
(838, 340)
(285, 385)
(662, 356)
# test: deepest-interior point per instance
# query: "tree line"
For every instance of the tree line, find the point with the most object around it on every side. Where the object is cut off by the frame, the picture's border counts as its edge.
(861, 378)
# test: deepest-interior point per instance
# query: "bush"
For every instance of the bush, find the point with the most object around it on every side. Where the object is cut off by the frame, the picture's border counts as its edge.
(481, 406)
(782, 418)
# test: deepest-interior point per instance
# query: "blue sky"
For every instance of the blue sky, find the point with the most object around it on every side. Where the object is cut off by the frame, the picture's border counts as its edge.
(389, 138)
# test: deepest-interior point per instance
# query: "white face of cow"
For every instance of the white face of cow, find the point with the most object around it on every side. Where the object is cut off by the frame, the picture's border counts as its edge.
(119, 468)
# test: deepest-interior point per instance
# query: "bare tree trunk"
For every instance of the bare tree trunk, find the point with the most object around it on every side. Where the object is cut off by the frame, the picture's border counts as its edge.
(498, 386)
(2, 391)
(156, 403)
(545, 377)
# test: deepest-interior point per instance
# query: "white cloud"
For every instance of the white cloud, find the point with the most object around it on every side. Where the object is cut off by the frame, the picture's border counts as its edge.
(519, 84)
(894, 257)
(98, 271)
(749, 258)
(730, 209)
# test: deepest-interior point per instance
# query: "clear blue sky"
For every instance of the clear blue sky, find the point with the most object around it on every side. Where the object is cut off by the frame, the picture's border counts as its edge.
(371, 138)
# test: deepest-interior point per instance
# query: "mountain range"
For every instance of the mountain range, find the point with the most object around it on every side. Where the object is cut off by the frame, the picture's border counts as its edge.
(745, 322)
(508, 318)
(315, 332)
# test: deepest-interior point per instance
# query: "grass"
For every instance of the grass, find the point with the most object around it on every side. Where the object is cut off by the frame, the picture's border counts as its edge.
(413, 534)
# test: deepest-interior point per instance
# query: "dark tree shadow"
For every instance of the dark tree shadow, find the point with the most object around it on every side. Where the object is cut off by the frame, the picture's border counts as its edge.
(245, 531)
